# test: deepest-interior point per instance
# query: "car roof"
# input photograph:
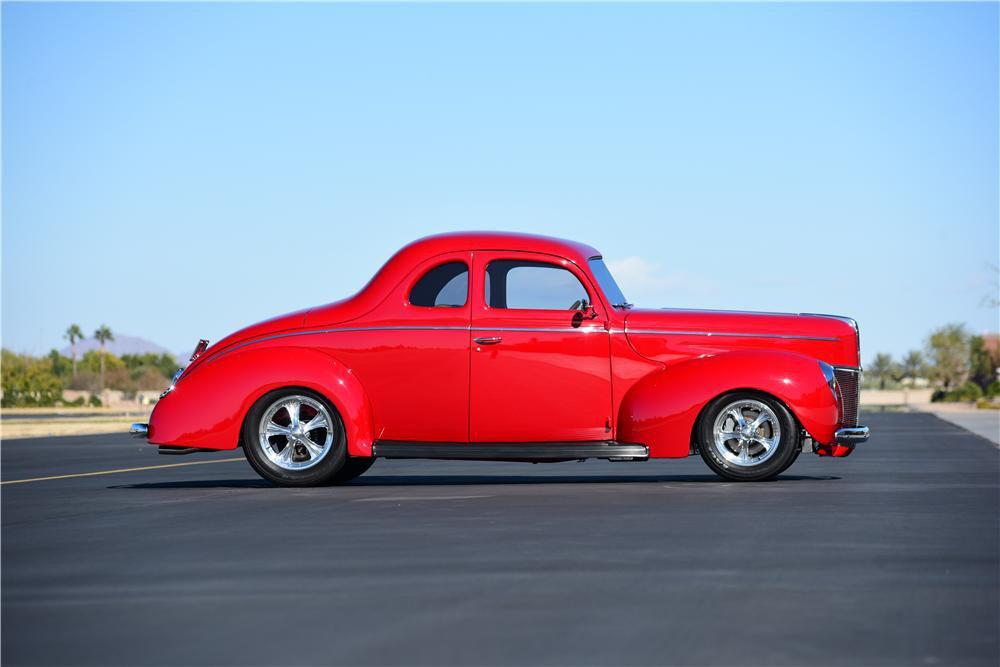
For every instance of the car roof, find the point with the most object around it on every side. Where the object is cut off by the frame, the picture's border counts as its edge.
(458, 241)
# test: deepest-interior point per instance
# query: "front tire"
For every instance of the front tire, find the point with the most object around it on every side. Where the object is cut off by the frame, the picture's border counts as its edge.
(747, 437)
(295, 437)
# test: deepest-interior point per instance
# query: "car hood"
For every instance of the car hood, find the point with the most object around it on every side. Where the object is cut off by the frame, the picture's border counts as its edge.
(666, 335)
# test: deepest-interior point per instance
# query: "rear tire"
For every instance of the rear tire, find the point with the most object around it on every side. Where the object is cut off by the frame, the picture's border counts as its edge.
(295, 437)
(746, 436)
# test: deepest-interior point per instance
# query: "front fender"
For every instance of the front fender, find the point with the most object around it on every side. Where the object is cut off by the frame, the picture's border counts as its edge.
(660, 410)
(206, 408)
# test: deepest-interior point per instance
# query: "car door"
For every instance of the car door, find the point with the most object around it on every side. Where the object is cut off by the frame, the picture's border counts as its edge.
(540, 368)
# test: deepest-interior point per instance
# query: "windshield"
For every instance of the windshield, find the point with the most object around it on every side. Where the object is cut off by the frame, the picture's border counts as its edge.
(607, 283)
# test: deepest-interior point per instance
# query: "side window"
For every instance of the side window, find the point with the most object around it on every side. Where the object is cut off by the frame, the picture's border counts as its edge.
(533, 286)
(444, 286)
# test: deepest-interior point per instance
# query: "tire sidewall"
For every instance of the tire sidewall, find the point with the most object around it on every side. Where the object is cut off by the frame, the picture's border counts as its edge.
(315, 475)
(787, 446)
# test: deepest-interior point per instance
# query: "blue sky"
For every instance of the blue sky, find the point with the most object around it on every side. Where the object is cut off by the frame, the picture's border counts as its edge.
(178, 171)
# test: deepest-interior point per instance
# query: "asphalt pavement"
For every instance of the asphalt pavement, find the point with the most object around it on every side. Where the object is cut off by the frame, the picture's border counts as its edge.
(888, 557)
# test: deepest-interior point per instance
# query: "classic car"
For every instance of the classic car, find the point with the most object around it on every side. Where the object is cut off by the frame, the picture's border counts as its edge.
(514, 347)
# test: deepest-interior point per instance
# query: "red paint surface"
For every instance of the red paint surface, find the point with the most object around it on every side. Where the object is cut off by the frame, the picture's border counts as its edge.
(396, 371)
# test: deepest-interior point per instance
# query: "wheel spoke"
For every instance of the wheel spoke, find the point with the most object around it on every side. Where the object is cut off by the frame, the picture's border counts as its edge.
(315, 450)
(738, 416)
(729, 435)
(286, 453)
(744, 452)
(762, 418)
(319, 421)
(292, 408)
(766, 443)
(273, 428)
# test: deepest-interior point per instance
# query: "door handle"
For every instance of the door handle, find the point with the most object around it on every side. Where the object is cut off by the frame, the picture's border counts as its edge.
(487, 340)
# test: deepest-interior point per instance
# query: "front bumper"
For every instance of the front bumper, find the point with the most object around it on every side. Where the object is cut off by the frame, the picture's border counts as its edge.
(852, 435)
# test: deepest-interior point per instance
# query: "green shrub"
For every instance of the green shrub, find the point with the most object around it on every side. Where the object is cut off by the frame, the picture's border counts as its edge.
(993, 389)
(967, 393)
(970, 391)
(95, 401)
(28, 381)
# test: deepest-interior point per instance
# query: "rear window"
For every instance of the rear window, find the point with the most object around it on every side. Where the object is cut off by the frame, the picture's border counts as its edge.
(444, 286)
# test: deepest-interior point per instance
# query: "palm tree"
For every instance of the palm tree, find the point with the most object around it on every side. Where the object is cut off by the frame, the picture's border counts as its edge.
(913, 365)
(73, 334)
(103, 335)
(881, 368)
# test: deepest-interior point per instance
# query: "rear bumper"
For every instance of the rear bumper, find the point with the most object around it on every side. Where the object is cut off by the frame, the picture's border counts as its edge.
(852, 435)
(844, 441)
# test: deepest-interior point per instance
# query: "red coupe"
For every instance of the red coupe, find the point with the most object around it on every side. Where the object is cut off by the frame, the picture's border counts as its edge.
(511, 347)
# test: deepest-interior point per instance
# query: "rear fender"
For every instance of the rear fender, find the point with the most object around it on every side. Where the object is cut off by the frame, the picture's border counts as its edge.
(661, 410)
(206, 409)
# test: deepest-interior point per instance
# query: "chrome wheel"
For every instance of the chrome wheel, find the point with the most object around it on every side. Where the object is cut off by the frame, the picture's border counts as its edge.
(296, 432)
(746, 433)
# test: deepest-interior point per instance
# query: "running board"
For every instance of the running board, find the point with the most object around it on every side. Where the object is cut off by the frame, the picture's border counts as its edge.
(496, 451)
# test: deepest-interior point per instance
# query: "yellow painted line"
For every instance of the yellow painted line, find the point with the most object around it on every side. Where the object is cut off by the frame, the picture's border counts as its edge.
(113, 472)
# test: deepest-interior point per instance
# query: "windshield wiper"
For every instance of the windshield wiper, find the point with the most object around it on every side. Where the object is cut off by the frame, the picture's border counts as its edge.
(624, 304)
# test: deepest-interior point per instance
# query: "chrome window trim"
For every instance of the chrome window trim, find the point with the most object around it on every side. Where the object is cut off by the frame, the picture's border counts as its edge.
(730, 334)
(527, 262)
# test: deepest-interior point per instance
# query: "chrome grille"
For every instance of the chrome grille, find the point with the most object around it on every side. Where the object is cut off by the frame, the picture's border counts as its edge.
(848, 380)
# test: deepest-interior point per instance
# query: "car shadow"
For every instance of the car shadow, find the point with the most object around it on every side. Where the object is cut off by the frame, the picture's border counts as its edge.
(475, 480)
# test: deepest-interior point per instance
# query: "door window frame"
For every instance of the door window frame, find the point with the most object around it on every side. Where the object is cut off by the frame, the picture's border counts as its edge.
(481, 302)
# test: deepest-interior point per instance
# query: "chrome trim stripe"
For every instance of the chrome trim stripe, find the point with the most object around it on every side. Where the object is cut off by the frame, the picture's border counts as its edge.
(311, 332)
(731, 312)
(422, 328)
(728, 334)
(568, 329)
(406, 328)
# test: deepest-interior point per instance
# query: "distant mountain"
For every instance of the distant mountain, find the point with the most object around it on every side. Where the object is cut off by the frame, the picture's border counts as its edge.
(122, 344)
